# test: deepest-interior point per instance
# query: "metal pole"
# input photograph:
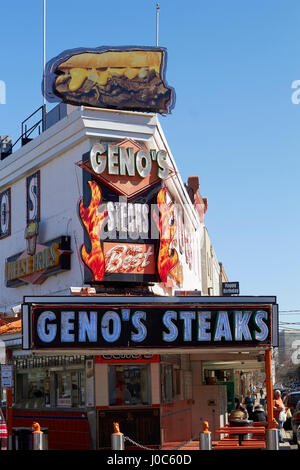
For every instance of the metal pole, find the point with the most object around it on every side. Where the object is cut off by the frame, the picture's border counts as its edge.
(117, 438)
(205, 438)
(272, 441)
(38, 438)
(157, 23)
(117, 441)
(44, 65)
(38, 441)
(269, 387)
(44, 48)
(272, 437)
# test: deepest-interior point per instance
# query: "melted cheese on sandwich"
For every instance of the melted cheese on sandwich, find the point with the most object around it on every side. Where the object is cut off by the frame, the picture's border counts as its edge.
(78, 75)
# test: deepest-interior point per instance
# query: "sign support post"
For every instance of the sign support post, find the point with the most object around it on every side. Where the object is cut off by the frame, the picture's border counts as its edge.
(272, 432)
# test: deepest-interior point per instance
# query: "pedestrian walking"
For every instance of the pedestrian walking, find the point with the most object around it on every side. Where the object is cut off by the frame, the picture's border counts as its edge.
(262, 398)
(278, 407)
(249, 403)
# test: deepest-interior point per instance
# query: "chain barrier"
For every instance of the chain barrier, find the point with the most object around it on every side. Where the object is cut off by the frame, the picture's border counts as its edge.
(136, 444)
(147, 448)
(187, 442)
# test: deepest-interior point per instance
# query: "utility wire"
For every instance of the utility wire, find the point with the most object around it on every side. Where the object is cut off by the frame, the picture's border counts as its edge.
(288, 311)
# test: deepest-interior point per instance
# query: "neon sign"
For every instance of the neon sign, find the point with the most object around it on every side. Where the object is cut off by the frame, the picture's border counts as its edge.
(94, 326)
(129, 219)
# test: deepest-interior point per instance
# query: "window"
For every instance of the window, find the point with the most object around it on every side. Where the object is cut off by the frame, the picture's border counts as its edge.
(49, 388)
(69, 391)
(129, 385)
(31, 389)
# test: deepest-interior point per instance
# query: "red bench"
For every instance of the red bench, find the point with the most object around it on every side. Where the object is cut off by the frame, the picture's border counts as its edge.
(228, 442)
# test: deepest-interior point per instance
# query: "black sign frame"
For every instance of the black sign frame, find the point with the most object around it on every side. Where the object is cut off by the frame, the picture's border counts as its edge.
(135, 315)
(108, 194)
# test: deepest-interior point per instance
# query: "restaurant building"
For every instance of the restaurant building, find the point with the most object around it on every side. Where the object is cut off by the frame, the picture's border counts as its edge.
(105, 250)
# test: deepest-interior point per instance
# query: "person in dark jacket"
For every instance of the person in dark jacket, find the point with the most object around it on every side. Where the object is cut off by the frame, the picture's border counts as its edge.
(259, 414)
(249, 403)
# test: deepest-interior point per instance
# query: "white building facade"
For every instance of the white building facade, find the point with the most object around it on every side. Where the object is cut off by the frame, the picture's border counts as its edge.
(96, 201)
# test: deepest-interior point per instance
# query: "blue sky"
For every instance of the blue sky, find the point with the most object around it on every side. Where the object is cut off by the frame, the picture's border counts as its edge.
(234, 125)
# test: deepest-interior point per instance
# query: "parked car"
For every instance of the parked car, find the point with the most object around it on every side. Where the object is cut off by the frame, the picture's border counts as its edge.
(291, 399)
(295, 423)
(298, 437)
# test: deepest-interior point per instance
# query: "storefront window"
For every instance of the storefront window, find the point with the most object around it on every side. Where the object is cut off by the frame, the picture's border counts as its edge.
(49, 382)
(30, 391)
(69, 392)
(129, 385)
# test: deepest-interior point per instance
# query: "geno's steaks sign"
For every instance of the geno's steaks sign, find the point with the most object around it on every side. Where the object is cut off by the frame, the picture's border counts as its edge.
(147, 322)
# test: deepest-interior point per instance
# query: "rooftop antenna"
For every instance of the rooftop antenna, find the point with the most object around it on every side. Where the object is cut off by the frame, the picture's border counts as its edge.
(44, 61)
(157, 23)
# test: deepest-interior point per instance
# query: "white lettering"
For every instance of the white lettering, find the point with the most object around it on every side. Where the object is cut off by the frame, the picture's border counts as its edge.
(241, 320)
(46, 332)
(97, 159)
(33, 198)
(173, 330)
(115, 259)
(67, 327)
(112, 160)
(140, 327)
(223, 327)
(204, 325)
(127, 220)
(112, 318)
(187, 318)
(143, 163)
(122, 161)
(87, 327)
(259, 318)
(4, 213)
(126, 160)
(163, 170)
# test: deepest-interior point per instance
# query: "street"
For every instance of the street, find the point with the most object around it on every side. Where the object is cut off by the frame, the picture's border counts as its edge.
(287, 435)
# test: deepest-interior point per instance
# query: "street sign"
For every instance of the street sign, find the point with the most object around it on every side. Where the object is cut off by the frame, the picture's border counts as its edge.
(6, 377)
(229, 288)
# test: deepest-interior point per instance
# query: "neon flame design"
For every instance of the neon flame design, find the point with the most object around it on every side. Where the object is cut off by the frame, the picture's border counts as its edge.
(93, 221)
(167, 256)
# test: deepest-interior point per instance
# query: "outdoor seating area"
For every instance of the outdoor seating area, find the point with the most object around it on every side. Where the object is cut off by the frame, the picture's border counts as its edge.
(243, 437)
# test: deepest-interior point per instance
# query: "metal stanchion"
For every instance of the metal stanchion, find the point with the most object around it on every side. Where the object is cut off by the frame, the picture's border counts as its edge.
(272, 439)
(38, 437)
(117, 438)
(205, 437)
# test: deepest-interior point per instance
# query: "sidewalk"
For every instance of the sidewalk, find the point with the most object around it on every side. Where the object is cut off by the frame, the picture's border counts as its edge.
(194, 445)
